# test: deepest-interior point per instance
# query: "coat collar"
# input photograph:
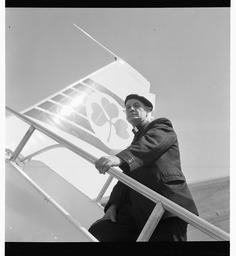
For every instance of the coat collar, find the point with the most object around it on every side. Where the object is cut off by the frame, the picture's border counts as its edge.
(140, 127)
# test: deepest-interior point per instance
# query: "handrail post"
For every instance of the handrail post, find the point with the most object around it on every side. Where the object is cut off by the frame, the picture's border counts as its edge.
(103, 190)
(22, 143)
(151, 223)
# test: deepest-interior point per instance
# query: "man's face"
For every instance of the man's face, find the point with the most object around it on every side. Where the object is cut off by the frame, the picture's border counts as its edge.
(136, 111)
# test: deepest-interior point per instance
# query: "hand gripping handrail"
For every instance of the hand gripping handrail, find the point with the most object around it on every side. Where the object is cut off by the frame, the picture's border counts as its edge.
(167, 204)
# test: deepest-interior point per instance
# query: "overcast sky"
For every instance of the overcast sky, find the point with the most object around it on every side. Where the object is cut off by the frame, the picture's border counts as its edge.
(183, 52)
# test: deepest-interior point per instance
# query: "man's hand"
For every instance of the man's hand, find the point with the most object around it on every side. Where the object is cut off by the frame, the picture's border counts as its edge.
(105, 162)
(110, 213)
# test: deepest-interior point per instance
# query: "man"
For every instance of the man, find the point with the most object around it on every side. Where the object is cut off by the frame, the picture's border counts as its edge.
(152, 159)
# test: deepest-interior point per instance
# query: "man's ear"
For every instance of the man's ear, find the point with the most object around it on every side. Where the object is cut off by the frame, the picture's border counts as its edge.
(148, 110)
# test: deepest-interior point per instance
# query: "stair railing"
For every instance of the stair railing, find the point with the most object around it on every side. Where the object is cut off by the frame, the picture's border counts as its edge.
(162, 203)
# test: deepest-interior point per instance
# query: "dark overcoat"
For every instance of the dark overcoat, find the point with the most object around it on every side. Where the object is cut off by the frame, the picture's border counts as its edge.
(153, 159)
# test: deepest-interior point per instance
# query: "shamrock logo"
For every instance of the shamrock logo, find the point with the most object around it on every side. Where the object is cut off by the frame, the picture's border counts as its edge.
(107, 119)
(106, 113)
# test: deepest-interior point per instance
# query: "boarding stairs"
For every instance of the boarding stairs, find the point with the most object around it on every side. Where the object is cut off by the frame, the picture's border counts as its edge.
(36, 211)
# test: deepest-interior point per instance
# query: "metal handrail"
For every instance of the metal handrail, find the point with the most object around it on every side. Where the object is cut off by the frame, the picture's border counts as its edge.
(168, 205)
(28, 158)
(55, 203)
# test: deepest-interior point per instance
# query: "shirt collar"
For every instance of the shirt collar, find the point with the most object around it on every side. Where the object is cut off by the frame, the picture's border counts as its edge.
(139, 127)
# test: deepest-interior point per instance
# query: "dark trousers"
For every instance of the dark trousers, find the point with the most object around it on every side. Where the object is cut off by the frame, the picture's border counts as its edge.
(124, 229)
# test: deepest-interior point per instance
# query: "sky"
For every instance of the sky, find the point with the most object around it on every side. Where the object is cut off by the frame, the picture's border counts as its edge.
(183, 52)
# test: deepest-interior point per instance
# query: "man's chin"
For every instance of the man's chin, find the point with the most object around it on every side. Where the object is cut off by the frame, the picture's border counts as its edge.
(134, 121)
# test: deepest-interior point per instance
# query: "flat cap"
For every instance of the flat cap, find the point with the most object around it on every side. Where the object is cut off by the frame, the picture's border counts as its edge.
(145, 101)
